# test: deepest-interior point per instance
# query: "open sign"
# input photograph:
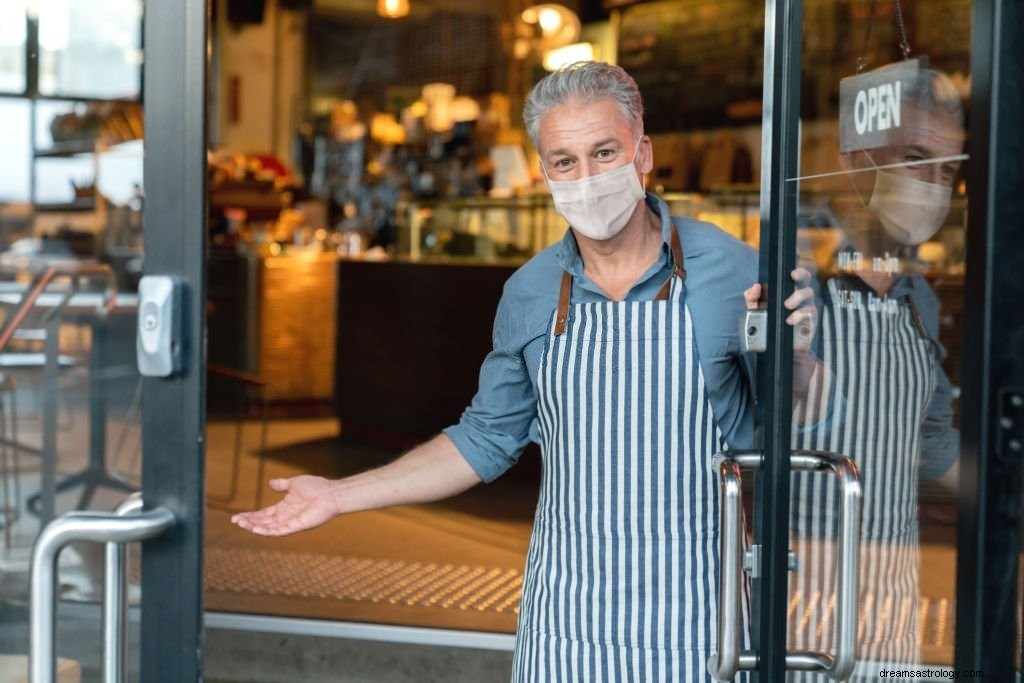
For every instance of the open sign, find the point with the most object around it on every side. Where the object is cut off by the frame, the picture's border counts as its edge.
(871, 105)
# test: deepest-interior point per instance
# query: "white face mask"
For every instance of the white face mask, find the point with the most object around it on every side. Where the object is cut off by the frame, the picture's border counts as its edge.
(910, 210)
(599, 206)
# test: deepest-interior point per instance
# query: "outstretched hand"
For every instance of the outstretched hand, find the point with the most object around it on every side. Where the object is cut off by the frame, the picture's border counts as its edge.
(308, 503)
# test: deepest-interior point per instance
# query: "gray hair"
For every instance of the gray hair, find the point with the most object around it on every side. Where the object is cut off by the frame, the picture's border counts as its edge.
(933, 90)
(584, 83)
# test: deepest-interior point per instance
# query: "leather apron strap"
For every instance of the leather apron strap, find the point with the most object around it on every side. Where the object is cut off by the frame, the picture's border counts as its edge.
(564, 293)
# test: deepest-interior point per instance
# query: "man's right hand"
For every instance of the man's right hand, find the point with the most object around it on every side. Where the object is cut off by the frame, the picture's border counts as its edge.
(433, 470)
(309, 502)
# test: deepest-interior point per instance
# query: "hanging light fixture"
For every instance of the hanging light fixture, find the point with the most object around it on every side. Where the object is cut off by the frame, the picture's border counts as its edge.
(545, 27)
(393, 9)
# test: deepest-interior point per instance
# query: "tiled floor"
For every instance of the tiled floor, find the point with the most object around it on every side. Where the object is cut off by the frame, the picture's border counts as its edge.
(452, 564)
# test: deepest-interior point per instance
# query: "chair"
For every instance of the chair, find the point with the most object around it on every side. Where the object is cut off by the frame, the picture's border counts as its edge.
(35, 319)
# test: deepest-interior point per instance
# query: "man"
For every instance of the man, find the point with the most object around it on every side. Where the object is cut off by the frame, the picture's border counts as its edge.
(879, 336)
(617, 351)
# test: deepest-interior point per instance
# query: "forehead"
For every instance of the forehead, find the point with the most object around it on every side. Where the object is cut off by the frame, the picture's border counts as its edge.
(929, 129)
(573, 124)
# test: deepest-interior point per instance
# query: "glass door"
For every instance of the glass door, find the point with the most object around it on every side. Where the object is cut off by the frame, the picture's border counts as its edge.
(104, 190)
(879, 473)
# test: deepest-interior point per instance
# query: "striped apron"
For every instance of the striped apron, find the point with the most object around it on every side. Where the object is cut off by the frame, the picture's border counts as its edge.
(885, 367)
(622, 572)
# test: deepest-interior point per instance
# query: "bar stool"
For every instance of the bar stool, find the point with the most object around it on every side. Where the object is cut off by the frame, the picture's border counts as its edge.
(245, 381)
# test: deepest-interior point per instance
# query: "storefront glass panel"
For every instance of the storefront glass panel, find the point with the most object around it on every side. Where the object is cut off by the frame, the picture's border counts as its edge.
(882, 206)
(70, 259)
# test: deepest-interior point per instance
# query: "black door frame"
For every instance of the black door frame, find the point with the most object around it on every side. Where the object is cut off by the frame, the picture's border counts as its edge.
(783, 31)
(173, 409)
(989, 506)
(992, 401)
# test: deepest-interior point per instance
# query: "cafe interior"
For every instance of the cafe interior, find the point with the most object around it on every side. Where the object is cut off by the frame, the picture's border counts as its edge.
(371, 188)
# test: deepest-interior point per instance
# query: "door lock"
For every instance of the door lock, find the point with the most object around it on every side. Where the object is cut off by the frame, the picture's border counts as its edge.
(754, 331)
(158, 337)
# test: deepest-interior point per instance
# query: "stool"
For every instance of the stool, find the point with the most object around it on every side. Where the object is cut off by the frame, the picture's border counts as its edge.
(244, 381)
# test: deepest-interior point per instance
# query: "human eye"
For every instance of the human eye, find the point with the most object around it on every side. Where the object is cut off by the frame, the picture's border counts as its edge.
(604, 154)
(913, 159)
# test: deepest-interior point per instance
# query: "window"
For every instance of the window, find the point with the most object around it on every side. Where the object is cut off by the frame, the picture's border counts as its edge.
(90, 48)
(15, 149)
(12, 47)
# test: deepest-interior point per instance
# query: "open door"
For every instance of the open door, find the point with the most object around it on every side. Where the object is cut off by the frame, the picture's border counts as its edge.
(118, 314)
(887, 483)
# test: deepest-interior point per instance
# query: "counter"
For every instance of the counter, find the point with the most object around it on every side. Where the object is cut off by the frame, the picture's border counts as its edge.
(273, 316)
(411, 338)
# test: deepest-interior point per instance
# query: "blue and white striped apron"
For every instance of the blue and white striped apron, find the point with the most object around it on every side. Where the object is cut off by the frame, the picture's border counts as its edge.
(622, 572)
(884, 366)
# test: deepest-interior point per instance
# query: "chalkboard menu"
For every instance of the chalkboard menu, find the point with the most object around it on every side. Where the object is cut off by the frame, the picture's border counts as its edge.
(698, 63)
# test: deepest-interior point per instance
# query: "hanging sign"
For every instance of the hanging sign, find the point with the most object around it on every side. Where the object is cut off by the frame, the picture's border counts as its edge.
(871, 105)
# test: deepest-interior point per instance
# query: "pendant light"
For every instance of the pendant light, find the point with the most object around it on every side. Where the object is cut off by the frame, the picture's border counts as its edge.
(393, 9)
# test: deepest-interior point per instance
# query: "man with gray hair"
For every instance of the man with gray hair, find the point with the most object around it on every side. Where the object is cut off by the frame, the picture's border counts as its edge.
(617, 351)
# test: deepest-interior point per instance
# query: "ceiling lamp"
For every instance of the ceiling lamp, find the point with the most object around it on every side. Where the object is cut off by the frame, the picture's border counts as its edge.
(568, 54)
(544, 27)
(393, 9)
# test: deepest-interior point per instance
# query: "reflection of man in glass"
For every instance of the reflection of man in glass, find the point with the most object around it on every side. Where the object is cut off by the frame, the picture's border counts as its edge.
(879, 335)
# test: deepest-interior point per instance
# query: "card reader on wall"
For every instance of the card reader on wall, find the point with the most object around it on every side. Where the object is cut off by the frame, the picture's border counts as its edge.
(158, 336)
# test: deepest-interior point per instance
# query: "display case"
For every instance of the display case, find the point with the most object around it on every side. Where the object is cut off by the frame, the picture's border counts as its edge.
(477, 228)
(515, 228)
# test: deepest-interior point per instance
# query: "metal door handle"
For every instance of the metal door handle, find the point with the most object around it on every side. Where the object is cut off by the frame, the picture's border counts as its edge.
(71, 527)
(115, 600)
(729, 659)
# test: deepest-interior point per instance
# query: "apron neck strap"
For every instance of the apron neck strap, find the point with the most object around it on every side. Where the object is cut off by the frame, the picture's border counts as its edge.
(562, 314)
(677, 267)
(563, 303)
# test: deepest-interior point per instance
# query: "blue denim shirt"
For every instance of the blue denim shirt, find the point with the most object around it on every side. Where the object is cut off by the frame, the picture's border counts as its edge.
(502, 417)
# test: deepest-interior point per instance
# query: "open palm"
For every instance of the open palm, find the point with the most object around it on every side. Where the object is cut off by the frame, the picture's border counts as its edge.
(308, 503)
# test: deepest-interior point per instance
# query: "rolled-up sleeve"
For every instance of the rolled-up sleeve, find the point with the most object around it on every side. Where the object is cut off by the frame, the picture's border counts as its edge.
(940, 440)
(495, 428)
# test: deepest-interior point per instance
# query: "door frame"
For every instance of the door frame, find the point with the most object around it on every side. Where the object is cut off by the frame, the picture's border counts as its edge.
(173, 409)
(991, 480)
(783, 30)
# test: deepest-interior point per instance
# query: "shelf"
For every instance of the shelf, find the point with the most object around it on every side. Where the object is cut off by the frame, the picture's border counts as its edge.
(87, 204)
(67, 149)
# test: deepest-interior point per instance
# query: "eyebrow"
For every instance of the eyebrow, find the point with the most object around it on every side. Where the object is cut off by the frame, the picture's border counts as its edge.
(597, 145)
(930, 159)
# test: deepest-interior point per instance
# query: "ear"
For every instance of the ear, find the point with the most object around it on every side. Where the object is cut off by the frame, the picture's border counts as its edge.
(846, 161)
(646, 153)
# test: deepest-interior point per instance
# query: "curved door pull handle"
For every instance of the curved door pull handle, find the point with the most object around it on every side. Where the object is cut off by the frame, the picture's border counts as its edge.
(729, 659)
(724, 664)
(120, 527)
